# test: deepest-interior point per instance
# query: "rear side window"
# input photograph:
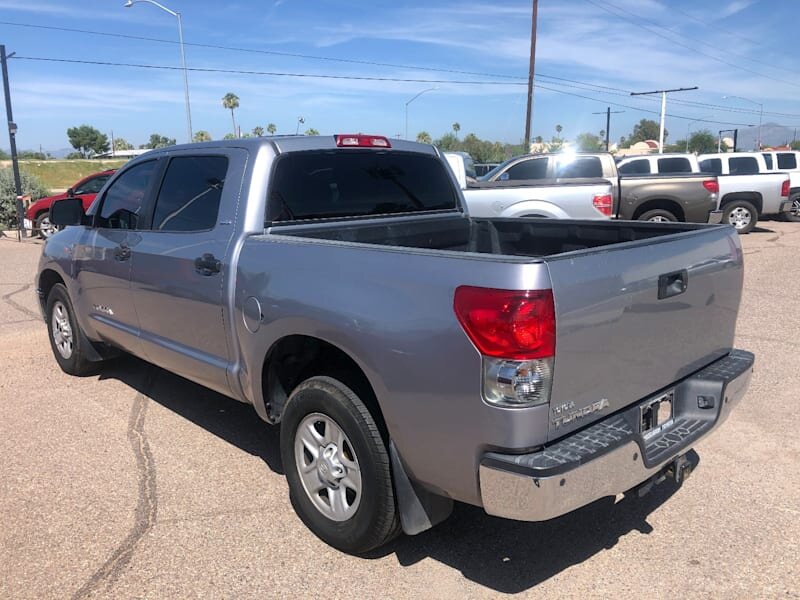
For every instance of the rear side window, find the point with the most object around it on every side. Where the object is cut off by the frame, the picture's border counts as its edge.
(92, 186)
(122, 202)
(324, 184)
(743, 165)
(636, 167)
(787, 160)
(711, 165)
(675, 164)
(582, 166)
(190, 194)
(768, 160)
(535, 168)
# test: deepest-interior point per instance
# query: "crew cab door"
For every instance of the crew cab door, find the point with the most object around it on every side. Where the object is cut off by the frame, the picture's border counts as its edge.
(181, 265)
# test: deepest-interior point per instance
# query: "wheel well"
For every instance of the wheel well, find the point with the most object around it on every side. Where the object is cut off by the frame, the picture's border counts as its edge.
(295, 358)
(47, 280)
(753, 198)
(663, 204)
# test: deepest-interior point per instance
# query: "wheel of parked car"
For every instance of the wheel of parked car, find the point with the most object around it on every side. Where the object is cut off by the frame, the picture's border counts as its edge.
(658, 215)
(741, 214)
(337, 466)
(794, 214)
(44, 226)
(64, 333)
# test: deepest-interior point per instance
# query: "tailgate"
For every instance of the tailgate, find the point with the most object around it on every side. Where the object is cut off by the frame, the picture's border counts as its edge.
(618, 342)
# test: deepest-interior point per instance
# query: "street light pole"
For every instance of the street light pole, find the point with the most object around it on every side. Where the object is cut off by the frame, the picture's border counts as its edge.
(12, 138)
(177, 15)
(414, 98)
(760, 114)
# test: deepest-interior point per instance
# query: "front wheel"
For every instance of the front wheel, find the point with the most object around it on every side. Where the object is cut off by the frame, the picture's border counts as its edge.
(45, 228)
(337, 467)
(66, 340)
(794, 213)
(658, 215)
(741, 214)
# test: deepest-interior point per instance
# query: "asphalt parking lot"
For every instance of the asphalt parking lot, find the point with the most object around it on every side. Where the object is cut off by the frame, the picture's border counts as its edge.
(137, 484)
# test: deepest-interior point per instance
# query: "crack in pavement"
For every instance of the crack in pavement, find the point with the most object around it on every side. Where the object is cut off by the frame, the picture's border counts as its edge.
(23, 309)
(146, 505)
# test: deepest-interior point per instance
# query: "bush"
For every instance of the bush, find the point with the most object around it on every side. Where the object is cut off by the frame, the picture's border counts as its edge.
(31, 186)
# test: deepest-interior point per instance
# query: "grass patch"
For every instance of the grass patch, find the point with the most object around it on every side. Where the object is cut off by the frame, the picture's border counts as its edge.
(58, 175)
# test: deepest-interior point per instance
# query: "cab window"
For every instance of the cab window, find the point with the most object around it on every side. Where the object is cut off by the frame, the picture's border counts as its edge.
(92, 186)
(122, 203)
(635, 167)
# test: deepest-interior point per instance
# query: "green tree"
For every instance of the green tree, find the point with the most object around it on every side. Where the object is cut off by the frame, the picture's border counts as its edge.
(31, 155)
(448, 143)
(4, 155)
(646, 129)
(589, 142)
(538, 139)
(122, 144)
(423, 137)
(559, 129)
(158, 141)
(231, 102)
(271, 129)
(456, 128)
(795, 145)
(87, 140)
(74, 156)
(31, 186)
(312, 131)
(201, 135)
(702, 142)
(258, 131)
(229, 136)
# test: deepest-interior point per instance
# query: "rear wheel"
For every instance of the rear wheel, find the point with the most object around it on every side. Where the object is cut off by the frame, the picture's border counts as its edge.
(658, 215)
(45, 228)
(794, 213)
(741, 214)
(337, 467)
(66, 340)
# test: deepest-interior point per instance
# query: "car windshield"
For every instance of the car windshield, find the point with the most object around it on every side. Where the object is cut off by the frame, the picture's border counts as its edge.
(499, 168)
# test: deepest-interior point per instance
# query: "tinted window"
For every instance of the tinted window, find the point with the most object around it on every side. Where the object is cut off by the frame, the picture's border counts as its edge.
(711, 165)
(743, 165)
(768, 160)
(787, 160)
(123, 200)
(190, 193)
(535, 168)
(319, 184)
(674, 165)
(582, 166)
(92, 186)
(636, 167)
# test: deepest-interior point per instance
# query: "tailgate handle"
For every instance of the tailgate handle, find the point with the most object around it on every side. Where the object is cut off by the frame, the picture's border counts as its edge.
(672, 284)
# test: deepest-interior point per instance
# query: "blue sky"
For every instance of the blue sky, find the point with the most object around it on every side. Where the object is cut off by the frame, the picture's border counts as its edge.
(727, 47)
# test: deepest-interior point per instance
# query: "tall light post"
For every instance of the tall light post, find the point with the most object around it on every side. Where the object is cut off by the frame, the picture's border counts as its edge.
(177, 15)
(689, 126)
(760, 114)
(414, 98)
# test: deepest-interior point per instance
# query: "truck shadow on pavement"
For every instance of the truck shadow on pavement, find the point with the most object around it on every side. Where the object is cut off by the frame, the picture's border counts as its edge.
(503, 555)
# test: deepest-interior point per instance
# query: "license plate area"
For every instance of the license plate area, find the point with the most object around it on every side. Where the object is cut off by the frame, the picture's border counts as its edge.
(656, 415)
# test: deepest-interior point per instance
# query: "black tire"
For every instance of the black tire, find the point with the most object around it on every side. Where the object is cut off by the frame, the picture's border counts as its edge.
(73, 362)
(43, 226)
(658, 215)
(741, 214)
(374, 520)
(793, 216)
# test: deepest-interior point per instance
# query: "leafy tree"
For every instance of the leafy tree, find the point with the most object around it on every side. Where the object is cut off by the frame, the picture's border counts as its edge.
(538, 139)
(702, 142)
(229, 136)
(589, 142)
(271, 129)
(559, 129)
(31, 186)
(795, 145)
(31, 155)
(158, 141)
(258, 131)
(122, 144)
(201, 135)
(456, 128)
(423, 137)
(231, 102)
(4, 155)
(74, 156)
(646, 129)
(312, 131)
(448, 143)
(87, 140)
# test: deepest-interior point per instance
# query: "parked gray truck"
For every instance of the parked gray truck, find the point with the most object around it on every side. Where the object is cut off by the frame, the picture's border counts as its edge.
(412, 355)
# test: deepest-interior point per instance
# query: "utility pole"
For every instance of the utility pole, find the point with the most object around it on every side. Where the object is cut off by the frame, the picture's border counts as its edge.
(531, 71)
(608, 112)
(663, 109)
(12, 137)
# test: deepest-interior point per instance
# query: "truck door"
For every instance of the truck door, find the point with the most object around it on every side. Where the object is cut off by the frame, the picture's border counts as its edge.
(181, 265)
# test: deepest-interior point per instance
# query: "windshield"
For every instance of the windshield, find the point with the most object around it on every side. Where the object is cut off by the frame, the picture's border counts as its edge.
(498, 169)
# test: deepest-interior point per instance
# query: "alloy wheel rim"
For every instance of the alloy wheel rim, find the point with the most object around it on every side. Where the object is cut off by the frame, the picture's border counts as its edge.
(46, 227)
(659, 219)
(795, 210)
(62, 330)
(739, 217)
(328, 467)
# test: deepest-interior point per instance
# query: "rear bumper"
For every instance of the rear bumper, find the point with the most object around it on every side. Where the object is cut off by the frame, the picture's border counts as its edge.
(715, 217)
(611, 456)
(786, 206)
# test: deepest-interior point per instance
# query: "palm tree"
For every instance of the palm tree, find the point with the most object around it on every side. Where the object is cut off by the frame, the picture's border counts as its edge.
(423, 137)
(231, 102)
(201, 136)
(258, 131)
(271, 129)
(559, 129)
(312, 131)
(456, 128)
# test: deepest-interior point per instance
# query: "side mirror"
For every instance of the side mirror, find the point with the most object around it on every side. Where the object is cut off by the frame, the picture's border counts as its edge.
(70, 193)
(504, 177)
(68, 211)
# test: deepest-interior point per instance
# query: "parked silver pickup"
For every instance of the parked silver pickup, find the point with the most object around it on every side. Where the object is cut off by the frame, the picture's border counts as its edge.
(412, 355)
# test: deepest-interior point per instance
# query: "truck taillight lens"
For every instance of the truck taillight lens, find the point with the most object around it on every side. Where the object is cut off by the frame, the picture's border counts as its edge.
(785, 189)
(515, 331)
(359, 140)
(604, 204)
(712, 185)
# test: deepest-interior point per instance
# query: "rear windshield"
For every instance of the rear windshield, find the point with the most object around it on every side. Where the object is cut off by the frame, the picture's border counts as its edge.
(674, 164)
(711, 165)
(323, 184)
(743, 165)
(787, 160)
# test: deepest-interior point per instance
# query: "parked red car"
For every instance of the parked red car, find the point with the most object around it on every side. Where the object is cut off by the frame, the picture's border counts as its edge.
(37, 217)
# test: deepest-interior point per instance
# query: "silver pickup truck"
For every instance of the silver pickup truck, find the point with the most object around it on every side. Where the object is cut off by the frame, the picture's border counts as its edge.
(412, 355)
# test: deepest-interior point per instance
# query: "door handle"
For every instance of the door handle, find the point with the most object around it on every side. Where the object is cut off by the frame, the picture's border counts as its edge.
(207, 264)
(122, 252)
(672, 284)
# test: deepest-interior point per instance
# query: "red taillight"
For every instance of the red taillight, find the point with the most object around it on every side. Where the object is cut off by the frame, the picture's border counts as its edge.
(785, 189)
(358, 140)
(604, 203)
(712, 185)
(506, 323)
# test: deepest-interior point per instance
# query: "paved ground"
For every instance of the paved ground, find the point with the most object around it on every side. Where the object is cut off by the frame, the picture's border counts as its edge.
(136, 483)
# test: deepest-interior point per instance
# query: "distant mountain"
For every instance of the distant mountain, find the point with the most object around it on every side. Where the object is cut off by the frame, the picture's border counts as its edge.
(772, 134)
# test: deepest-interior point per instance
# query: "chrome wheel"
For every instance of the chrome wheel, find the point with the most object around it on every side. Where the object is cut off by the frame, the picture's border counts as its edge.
(795, 210)
(659, 219)
(62, 330)
(46, 228)
(739, 217)
(328, 467)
